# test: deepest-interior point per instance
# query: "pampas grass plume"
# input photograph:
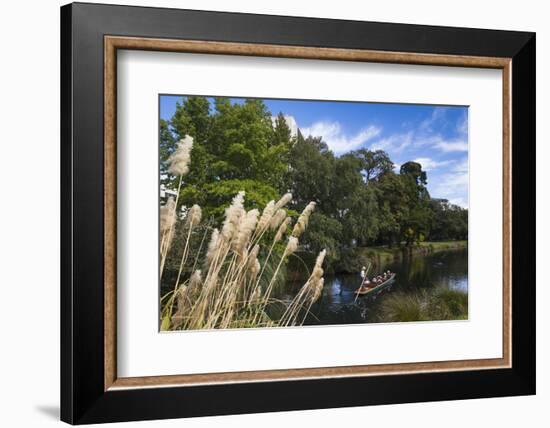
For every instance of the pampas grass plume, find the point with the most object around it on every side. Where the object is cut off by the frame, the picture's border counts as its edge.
(194, 216)
(212, 246)
(233, 216)
(292, 245)
(179, 160)
(253, 256)
(246, 227)
(266, 216)
(167, 215)
(287, 197)
(282, 229)
(279, 216)
(303, 220)
(195, 282)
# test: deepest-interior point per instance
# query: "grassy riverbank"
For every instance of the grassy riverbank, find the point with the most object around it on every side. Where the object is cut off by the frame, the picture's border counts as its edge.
(377, 257)
(380, 256)
(424, 305)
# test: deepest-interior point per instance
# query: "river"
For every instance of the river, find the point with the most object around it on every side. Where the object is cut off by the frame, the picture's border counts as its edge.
(338, 304)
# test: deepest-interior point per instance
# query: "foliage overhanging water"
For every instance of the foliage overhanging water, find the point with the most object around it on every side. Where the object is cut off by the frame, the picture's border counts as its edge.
(338, 305)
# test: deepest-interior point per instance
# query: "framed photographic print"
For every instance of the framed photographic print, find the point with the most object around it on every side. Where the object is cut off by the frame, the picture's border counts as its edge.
(265, 213)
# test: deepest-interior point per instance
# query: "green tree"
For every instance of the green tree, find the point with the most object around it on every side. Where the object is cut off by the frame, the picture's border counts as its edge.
(324, 233)
(374, 164)
(414, 170)
(192, 117)
(449, 222)
(354, 202)
(241, 139)
(416, 225)
(394, 207)
(236, 147)
(167, 143)
(282, 135)
(311, 174)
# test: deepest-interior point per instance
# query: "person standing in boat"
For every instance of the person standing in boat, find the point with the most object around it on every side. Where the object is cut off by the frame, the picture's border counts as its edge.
(364, 279)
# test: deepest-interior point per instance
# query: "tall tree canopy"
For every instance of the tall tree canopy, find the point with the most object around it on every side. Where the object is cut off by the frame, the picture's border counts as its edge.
(374, 164)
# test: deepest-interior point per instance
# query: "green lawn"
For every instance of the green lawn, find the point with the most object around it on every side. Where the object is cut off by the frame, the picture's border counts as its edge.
(444, 245)
(383, 254)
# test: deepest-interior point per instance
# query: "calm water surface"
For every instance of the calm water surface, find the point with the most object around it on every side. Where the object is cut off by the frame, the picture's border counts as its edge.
(338, 304)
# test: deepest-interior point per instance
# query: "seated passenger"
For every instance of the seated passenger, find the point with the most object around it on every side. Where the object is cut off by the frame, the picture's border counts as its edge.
(366, 284)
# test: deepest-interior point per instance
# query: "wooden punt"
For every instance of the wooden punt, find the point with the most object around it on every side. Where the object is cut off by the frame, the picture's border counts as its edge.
(375, 290)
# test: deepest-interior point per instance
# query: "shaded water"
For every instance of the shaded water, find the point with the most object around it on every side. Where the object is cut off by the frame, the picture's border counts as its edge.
(338, 304)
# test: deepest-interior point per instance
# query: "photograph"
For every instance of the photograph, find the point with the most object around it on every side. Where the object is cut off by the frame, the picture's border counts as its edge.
(286, 213)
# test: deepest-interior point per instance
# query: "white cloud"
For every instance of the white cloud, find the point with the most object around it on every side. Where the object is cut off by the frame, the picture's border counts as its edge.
(462, 125)
(461, 202)
(462, 166)
(394, 143)
(429, 164)
(438, 142)
(291, 123)
(438, 115)
(337, 141)
(453, 186)
(426, 135)
(452, 146)
(455, 181)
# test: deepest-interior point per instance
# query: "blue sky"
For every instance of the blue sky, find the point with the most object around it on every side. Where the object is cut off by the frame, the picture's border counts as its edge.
(434, 136)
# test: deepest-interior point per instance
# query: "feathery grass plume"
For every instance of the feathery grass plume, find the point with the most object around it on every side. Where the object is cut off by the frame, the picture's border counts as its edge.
(292, 245)
(193, 216)
(253, 256)
(307, 296)
(246, 227)
(212, 246)
(167, 222)
(316, 279)
(282, 229)
(266, 216)
(303, 220)
(230, 294)
(179, 160)
(287, 197)
(253, 265)
(255, 298)
(255, 270)
(167, 215)
(185, 297)
(244, 254)
(279, 216)
(233, 215)
(195, 282)
(319, 261)
(182, 302)
(317, 291)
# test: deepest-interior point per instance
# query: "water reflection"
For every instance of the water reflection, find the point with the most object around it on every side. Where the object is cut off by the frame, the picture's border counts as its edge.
(339, 305)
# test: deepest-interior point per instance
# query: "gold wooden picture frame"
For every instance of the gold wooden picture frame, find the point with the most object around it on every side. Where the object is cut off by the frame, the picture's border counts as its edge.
(114, 43)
